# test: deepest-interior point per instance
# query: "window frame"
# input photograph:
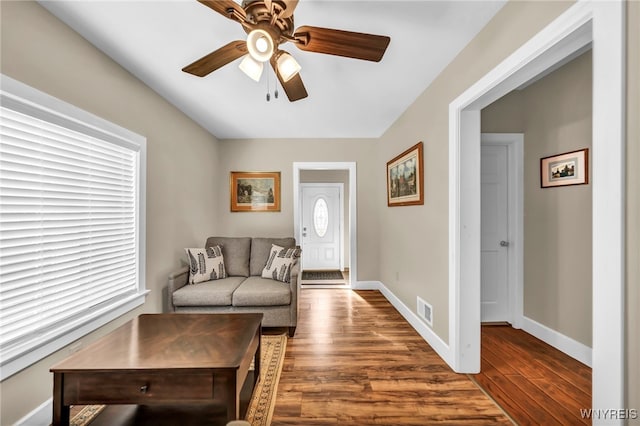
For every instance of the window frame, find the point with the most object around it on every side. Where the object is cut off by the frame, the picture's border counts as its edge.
(25, 99)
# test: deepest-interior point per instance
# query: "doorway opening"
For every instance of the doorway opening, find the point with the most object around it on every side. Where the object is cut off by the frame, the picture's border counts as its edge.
(502, 217)
(324, 229)
(583, 23)
(325, 223)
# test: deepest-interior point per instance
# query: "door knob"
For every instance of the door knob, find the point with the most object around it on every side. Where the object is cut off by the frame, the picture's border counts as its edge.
(504, 243)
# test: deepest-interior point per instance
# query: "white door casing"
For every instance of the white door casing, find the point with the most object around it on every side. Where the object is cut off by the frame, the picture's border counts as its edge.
(603, 24)
(352, 220)
(322, 213)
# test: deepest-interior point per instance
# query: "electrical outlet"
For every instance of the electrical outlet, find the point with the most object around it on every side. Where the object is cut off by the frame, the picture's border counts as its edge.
(397, 276)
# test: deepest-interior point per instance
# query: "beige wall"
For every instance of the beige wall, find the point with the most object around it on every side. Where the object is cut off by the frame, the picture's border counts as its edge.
(41, 51)
(419, 250)
(333, 176)
(279, 155)
(555, 116)
(633, 207)
(185, 162)
(506, 115)
(414, 257)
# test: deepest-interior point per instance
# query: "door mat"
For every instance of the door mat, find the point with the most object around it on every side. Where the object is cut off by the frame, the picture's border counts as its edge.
(263, 399)
(321, 275)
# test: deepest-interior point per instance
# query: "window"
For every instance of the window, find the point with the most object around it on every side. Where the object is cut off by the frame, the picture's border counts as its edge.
(320, 217)
(71, 224)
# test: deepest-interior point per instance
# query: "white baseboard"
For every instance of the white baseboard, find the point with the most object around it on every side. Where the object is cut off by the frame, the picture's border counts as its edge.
(565, 344)
(41, 416)
(366, 285)
(438, 345)
(573, 348)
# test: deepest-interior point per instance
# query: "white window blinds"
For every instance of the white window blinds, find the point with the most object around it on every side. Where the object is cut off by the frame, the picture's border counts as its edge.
(69, 246)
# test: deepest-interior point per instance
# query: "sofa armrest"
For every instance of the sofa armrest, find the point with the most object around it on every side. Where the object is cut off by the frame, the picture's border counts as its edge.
(177, 280)
(294, 285)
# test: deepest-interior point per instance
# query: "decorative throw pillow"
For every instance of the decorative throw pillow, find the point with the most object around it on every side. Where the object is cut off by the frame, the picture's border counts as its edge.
(280, 262)
(205, 264)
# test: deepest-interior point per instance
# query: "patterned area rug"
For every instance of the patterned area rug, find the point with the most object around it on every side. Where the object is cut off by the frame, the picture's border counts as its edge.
(88, 413)
(263, 400)
(322, 275)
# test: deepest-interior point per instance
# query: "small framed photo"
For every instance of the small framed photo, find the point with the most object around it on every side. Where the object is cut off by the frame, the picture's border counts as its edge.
(405, 181)
(255, 191)
(570, 168)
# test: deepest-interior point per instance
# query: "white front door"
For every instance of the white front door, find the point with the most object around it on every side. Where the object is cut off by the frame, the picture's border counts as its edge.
(494, 233)
(321, 226)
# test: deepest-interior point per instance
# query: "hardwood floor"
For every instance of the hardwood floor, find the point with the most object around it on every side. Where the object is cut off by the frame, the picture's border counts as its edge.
(533, 382)
(355, 360)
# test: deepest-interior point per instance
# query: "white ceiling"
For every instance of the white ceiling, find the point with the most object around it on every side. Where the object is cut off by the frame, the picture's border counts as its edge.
(348, 98)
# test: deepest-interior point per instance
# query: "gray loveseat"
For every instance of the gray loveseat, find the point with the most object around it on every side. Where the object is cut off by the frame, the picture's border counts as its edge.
(244, 289)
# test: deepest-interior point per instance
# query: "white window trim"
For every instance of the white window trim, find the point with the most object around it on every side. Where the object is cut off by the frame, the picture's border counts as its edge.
(21, 97)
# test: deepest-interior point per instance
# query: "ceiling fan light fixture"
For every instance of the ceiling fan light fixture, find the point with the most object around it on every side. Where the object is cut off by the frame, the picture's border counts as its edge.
(269, 24)
(260, 45)
(251, 67)
(288, 67)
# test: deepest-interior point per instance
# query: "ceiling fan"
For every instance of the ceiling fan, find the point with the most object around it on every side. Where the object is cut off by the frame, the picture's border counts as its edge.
(269, 23)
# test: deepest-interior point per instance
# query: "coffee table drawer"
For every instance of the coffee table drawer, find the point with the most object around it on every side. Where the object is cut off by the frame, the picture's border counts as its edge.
(136, 388)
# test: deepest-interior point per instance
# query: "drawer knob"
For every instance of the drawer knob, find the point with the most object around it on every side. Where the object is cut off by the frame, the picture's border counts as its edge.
(144, 389)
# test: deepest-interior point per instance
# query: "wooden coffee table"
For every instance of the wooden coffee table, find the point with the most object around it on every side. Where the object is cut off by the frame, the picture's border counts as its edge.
(162, 359)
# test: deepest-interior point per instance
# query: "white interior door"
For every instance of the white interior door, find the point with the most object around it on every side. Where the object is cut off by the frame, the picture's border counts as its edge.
(321, 226)
(494, 233)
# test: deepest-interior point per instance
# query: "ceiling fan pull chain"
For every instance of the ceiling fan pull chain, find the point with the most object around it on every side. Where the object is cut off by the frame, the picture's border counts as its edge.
(275, 93)
(268, 88)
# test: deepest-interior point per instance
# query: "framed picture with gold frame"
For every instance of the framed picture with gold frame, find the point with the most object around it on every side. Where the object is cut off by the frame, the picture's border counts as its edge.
(255, 191)
(405, 181)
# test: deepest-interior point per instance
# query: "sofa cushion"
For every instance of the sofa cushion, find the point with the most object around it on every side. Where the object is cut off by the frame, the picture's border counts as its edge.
(208, 293)
(258, 291)
(281, 261)
(236, 251)
(260, 249)
(205, 264)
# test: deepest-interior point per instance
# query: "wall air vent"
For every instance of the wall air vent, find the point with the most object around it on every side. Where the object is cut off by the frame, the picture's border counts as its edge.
(425, 311)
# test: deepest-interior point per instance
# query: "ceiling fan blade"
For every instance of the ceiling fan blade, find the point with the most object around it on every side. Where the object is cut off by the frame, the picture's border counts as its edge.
(223, 7)
(217, 59)
(294, 88)
(369, 47)
(290, 6)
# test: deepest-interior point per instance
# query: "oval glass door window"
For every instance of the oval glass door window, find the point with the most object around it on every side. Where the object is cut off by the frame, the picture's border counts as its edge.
(321, 217)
